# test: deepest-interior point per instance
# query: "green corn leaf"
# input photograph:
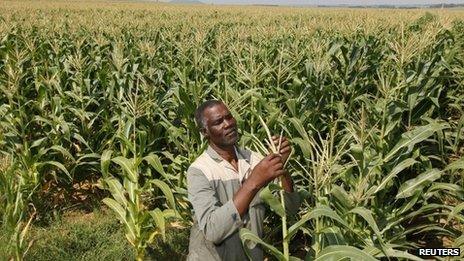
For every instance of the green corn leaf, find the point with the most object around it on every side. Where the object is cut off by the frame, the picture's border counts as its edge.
(166, 191)
(155, 162)
(88, 156)
(131, 189)
(367, 216)
(78, 137)
(62, 150)
(105, 162)
(395, 171)
(335, 253)
(304, 145)
(121, 214)
(459, 242)
(127, 129)
(390, 252)
(455, 213)
(453, 189)
(409, 203)
(58, 165)
(128, 167)
(171, 213)
(456, 165)
(319, 211)
(116, 190)
(273, 202)
(340, 194)
(411, 138)
(291, 103)
(297, 124)
(91, 159)
(158, 217)
(37, 143)
(333, 236)
(127, 142)
(408, 188)
(117, 208)
(248, 236)
(142, 140)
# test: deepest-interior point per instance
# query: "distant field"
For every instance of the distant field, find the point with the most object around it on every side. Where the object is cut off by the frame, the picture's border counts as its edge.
(272, 18)
(96, 109)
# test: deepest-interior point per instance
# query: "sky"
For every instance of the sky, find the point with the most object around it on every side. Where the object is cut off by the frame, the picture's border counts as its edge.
(334, 2)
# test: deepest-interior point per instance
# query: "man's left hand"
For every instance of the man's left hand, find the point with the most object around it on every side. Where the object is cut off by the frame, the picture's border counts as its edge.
(285, 147)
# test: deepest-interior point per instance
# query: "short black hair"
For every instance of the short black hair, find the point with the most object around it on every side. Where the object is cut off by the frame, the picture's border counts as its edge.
(199, 112)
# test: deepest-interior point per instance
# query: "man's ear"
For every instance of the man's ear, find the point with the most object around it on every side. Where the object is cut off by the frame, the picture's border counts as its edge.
(204, 133)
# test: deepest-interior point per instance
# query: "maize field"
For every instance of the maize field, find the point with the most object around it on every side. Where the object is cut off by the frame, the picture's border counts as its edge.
(100, 96)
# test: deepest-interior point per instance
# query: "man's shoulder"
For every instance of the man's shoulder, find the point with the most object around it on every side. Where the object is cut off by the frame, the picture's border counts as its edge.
(200, 163)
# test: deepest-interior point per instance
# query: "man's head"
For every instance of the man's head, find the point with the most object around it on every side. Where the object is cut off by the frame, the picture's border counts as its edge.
(216, 123)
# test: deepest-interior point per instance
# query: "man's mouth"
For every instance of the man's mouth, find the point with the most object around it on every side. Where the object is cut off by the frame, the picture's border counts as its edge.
(231, 133)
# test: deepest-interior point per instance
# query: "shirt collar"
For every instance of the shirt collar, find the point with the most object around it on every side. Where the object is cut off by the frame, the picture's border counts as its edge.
(213, 154)
(243, 157)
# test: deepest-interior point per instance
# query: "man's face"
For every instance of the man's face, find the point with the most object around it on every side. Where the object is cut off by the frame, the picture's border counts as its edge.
(220, 126)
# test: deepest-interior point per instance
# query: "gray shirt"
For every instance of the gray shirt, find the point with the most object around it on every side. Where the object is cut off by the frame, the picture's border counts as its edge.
(212, 183)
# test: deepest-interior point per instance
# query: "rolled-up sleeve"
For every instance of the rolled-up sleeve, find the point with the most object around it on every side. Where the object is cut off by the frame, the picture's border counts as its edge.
(217, 221)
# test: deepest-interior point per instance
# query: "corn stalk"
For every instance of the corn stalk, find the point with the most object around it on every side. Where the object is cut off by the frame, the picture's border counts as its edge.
(142, 224)
(267, 196)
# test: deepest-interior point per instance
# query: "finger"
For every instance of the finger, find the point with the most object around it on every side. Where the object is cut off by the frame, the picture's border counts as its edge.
(282, 143)
(275, 141)
(272, 156)
(276, 160)
(279, 173)
(285, 150)
(286, 145)
(278, 166)
(268, 157)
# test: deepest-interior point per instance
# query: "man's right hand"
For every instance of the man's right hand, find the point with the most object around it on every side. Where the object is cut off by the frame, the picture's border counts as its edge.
(264, 172)
(267, 170)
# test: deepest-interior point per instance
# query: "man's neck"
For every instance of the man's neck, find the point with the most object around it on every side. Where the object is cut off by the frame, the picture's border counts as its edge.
(227, 153)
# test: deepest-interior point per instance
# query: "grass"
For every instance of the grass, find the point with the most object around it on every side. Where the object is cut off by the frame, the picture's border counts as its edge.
(96, 235)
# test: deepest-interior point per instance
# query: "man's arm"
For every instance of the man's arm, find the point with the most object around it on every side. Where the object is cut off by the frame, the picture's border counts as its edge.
(219, 221)
(265, 171)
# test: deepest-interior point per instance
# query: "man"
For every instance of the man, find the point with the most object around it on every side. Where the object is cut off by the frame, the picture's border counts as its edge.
(223, 185)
